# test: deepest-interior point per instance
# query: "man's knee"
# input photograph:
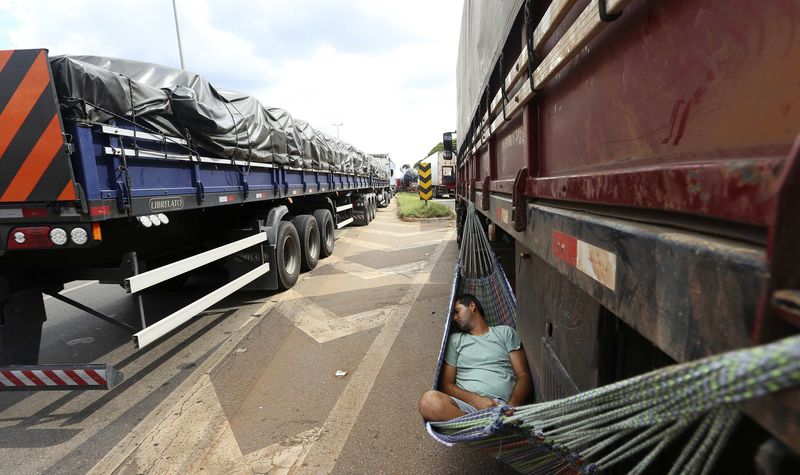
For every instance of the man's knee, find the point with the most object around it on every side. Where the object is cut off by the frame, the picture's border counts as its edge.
(430, 402)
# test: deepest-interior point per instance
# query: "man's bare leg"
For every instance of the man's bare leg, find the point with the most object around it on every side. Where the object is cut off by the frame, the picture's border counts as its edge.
(436, 406)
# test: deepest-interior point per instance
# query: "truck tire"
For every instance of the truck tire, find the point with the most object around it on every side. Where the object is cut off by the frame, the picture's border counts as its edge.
(287, 255)
(308, 230)
(326, 232)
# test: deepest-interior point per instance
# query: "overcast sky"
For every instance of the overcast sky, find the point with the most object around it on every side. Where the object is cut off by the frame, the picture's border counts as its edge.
(386, 69)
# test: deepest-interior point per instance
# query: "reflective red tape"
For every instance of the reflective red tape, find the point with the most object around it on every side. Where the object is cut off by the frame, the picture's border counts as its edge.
(14, 380)
(54, 377)
(95, 376)
(74, 376)
(34, 378)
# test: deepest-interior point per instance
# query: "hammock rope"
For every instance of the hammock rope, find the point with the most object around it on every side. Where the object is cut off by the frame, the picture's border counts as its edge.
(637, 417)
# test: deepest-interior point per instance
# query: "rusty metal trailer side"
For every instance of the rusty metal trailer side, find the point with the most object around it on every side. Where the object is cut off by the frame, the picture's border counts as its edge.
(642, 170)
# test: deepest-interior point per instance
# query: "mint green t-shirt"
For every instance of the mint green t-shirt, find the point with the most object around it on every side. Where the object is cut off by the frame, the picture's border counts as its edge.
(482, 362)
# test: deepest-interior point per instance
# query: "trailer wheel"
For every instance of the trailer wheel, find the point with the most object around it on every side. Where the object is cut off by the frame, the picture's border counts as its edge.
(326, 232)
(308, 230)
(287, 255)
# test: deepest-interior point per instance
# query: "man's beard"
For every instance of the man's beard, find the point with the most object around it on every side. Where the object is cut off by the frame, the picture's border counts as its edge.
(465, 325)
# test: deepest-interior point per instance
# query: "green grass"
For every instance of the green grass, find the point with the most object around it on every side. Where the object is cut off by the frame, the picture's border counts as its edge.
(410, 206)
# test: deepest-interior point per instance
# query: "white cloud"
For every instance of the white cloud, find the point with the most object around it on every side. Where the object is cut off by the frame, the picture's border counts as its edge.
(385, 69)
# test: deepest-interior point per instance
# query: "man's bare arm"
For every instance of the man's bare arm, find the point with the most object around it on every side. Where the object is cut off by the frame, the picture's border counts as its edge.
(448, 386)
(522, 389)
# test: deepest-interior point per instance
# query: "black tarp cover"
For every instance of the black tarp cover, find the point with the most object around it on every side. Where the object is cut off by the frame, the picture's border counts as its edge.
(221, 123)
(313, 155)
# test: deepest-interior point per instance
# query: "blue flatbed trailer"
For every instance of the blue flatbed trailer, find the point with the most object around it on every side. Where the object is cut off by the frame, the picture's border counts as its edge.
(118, 203)
(161, 171)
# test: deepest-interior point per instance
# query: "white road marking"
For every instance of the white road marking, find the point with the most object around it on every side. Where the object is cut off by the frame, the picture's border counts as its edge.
(324, 326)
(154, 424)
(387, 247)
(195, 436)
(247, 322)
(263, 309)
(368, 273)
(325, 451)
(395, 234)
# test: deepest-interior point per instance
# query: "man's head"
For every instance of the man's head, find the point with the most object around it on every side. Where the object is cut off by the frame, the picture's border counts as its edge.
(466, 310)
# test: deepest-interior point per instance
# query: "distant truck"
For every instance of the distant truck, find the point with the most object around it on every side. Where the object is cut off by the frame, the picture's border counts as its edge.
(443, 175)
(637, 168)
(386, 195)
(135, 174)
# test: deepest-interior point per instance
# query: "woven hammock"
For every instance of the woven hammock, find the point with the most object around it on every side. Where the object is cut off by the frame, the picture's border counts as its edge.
(632, 420)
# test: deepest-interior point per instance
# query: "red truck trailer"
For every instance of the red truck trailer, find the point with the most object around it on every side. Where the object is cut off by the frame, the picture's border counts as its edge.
(636, 165)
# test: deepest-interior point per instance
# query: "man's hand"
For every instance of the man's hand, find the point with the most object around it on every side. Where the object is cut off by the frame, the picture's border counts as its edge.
(484, 402)
(448, 386)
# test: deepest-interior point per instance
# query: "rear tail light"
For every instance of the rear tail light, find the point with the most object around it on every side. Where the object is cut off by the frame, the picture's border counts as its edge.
(58, 236)
(35, 237)
(46, 237)
(79, 236)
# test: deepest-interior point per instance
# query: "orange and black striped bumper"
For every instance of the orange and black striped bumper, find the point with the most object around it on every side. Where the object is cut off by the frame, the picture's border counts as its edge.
(34, 165)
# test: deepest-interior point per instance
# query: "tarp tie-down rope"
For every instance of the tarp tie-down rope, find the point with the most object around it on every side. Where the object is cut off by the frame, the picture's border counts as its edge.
(635, 419)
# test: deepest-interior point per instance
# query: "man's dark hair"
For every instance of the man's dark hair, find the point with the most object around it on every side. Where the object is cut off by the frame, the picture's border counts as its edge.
(466, 299)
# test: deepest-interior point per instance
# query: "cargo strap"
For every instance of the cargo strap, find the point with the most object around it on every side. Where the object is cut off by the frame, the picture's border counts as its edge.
(529, 29)
(603, 11)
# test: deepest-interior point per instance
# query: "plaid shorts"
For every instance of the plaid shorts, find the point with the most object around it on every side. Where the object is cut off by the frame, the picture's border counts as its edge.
(467, 408)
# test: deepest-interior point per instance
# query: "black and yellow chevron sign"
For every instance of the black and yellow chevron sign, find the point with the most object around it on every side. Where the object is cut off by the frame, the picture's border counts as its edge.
(424, 186)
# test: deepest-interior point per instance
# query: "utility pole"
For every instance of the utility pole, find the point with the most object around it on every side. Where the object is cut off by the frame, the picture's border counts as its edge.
(178, 33)
(337, 128)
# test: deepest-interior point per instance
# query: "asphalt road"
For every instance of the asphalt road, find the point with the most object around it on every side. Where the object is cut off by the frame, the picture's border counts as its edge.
(250, 386)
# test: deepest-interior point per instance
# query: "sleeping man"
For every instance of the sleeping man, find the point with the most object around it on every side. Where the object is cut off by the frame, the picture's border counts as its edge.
(483, 367)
